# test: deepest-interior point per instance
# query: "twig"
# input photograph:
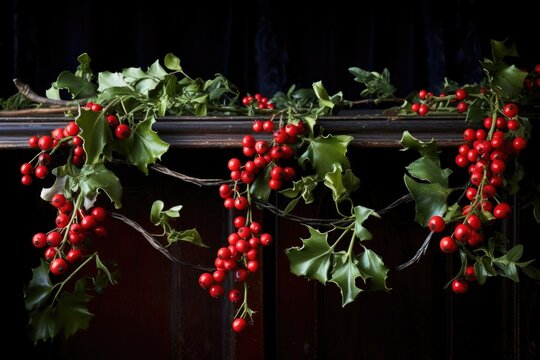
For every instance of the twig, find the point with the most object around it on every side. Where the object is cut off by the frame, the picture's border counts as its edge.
(421, 252)
(190, 179)
(376, 101)
(155, 243)
(38, 111)
(27, 92)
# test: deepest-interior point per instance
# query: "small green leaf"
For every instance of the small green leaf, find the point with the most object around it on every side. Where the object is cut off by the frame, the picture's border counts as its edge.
(323, 153)
(342, 183)
(108, 79)
(172, 62)
(259, 188)
(291, 205)
(314, 258)
(83, 70)
(480, 272)
(509, 79)
(39, 289)
(374, 269)
(101, 266)
(531, 271)
(191, 235)
(71, 313)
(155, 212)
(344, 275)
(515, 253)
(502, 49)
(157, 71)
(304, 187)
(95, 177)
(430, 199)
(426, 169)
(78, 87)
(322, 95)
(361, 214)
(510, 271)
(96, 133)
(426, 149)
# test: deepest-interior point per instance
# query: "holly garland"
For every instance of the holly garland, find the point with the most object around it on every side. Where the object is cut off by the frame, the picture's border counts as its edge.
(115, 124)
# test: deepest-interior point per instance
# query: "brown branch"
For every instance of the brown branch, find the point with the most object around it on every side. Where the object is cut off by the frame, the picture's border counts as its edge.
(376, 101)
(27, 92)
(190, 179)
(155, 243)
(38, 111)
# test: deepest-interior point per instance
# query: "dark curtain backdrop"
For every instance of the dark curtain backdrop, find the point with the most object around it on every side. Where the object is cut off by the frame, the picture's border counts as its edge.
(263, 45)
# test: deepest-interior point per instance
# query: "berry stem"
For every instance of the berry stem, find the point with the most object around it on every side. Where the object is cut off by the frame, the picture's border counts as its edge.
(63, 283)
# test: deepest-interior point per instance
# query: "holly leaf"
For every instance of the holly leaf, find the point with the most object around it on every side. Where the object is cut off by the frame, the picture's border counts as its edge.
(502, 49)
(191, 235)
(326, 152)
(107, 79)
(96, 133)
(322, 95)
(430, 199)
(344, 275)
(157, 71)
(58, 187)
(144, 146)
(172, 62)
(259, 188)
(41, 325)
(78, 87)
(101, 266)
(95, 177)
(83, 70)
(426, 149)
(475, 113)
(39, 289)
(374, 270)
(314, 258)
(304, 187)
(342, 183)
(509, 78)
(426, 169)
(71, 313)
(360, 215)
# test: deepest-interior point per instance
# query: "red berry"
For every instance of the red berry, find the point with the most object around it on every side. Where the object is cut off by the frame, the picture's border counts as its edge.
(219, 275)
(45, 143)
(216, 291)
(39, 240)
(255, 227)
(461, 160)
(62, 220)
(252, 254)
(99, 213)
(415, 107)
(235, 296)
(422, 94)
(33, 142)
(436, 223)
(511, 110)
(239, 221)
(41, 171)
(469, 273)
(27, 169)
(275, 184)
(50, 253)
(266, 239)
(252, 266)
(469, 134)
(239, 325)
(78, 151)
(113, 121)
(474, 222)
(519, 143)
(72, 128)
(58, 200)
(461, 94)
(268, 126)
(462, 107)
(96, 107)
(54, 238)
(234, 165)
(423, 110)
(206, 280)
(240, 275)
(512, 125)
(58, 266)
(122, 131)
(224, 253)
(100, 232)
(257, 126)
(241, 203)
(459, 286)
(502, 211)
(89, 222)
(73, 255)
(44, 159)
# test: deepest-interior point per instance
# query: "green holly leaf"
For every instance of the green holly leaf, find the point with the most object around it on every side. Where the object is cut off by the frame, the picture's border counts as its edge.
(71, 313)
(314, 258)
(361, 214)
(303, 187)
(107, 79)
(96, 133)
(155, 70)
(83, 70)
(39, 289)
(322, 95)
(426, 149)
(509, 78)
(79, 88)
(325, 152)
(191, 235)
(259, 188)
(502, 49)
(373, 269)
(101, 266)
(344, 275)
(41, 325)
(172, 62)
(144, 146)
(342, 183)
(426, 169)
(475, 112)
(95, 177)
(430, 199)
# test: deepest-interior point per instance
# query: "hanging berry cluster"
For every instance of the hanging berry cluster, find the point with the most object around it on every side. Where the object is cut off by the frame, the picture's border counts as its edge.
(487, 154)
(257, 101)
(428, 101)
(241, 256)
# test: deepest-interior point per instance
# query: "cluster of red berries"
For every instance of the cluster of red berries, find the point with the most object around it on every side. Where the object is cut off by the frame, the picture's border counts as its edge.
(258, 101)
(67, 242)
(428, 100)
(121, 131)
(240, 259)
(486, 154)
(265, 154)
(48, 145)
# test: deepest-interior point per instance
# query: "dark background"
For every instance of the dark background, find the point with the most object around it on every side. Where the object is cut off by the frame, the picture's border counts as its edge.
(264, 45)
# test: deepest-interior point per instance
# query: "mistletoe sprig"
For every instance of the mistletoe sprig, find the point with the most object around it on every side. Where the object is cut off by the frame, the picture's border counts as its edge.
(115, 124)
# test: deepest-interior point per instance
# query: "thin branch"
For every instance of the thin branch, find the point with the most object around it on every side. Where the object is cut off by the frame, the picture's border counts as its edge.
(27, 92)
(375, 101)
(155, 243)
(416, 258)
(190, 179)
(38, 111)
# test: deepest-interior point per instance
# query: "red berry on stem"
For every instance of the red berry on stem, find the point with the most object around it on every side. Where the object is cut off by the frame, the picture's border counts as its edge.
(206, 280)
(41, 171)
(511, 110)
(39, 240)
(470, 275)
(122, 131)
(459, 286)
(235, 296)
(436, 223)
(239, 325)
(58, 266)
(73, 255)
(27, 169)
(216, 291)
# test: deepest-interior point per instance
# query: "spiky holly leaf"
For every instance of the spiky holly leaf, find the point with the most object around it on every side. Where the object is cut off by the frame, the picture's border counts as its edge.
(96, 133)
(428, 170)
(314, 258)
(259, 188)
(92, 178)
(426, 149)
(303, 187)
(361, 214)
(374, 270)
(509, 78)
(344, 275)
(326, 152)
(39, 289)
(342, 183)
(144, 146)
(71, 313)
(430, 199)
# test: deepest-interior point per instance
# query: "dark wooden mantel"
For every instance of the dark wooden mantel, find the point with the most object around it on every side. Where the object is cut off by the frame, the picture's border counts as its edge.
(369, 129)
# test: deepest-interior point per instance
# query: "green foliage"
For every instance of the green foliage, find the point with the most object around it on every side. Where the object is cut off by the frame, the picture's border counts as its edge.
(160, 217)
(361, 214)
(79, 85)
(376, 84)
